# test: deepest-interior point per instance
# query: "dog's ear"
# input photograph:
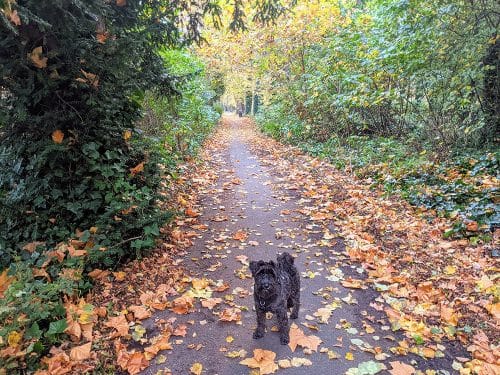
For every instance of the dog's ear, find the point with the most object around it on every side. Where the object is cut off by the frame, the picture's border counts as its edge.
(254, 266)
(271, 263)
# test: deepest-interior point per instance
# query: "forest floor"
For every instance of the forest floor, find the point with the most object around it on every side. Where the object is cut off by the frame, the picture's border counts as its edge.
(382, 292)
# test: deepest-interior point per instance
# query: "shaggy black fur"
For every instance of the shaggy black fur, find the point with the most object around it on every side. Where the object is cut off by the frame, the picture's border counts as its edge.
(276, 288)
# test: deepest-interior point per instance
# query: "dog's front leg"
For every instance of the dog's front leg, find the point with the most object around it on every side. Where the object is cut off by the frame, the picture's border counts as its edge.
(283, 325)
(261, 324)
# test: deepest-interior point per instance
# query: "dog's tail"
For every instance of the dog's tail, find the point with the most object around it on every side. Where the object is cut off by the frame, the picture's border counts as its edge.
(285, 261)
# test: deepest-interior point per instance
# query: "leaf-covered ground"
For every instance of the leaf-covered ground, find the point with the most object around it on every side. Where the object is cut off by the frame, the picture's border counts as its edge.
(382, 291)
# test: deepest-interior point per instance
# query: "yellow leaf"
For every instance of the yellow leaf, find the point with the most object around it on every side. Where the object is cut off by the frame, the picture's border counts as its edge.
(196, 368)
(36, 58)
(450, 270)
(57, 136)
(349, 356)
(14, 338)
(127, 134)
(229, 339)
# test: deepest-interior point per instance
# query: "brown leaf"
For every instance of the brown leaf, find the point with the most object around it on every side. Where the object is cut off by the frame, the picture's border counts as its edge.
(140, 312)
(137, 169)
(81, 353)
(98, 274)
(399, 368)
(119, 323)
(136, 363)
(5, 281)
(182, 305)
(36, 58)
(180, 330)
(158, 343)
(121, 3)
(31, 247)
(58, 364)
(231, 314)
(210, 303)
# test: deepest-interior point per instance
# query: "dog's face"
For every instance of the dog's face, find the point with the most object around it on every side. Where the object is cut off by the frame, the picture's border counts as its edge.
(265, 275)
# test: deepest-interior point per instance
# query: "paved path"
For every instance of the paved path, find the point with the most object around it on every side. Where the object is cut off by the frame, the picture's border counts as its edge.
(248, 194)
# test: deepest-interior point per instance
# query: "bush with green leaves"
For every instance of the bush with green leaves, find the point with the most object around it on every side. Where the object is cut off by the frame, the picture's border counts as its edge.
(181, 121)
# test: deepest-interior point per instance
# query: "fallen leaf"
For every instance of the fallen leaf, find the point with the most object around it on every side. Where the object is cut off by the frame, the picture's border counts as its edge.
(137, 169)
(119, 323)
(298, 338)
(263, 360)
(36, 58)
(5, 281)
(231, 314)
(196, 368)
(210, 303)
(158, 343)
(80, 353)
(240, 235)
(399, 368)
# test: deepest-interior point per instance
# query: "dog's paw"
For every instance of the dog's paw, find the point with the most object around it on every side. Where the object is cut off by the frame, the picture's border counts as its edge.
(284, 340)
(258, 334)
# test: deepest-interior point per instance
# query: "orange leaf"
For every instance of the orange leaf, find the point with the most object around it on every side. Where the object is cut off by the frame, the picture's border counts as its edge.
(210, 303)
(182, 305)
(5, 281)
(297, 337)
(121, 3)
(102, 37)
(160, 342)
(136, 363)
(140, 312)
(36, 58)
(57, 136)
(180, 330)
(449, 315)
(240, 235)
(191, 213)
(119, 323)
(137, 169)
(80, 353)
(76, 253)
(98, 274)
(263, 360)
(58, 363)
(231, 314)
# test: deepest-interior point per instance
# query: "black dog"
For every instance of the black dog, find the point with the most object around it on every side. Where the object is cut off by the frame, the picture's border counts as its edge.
(277, 288)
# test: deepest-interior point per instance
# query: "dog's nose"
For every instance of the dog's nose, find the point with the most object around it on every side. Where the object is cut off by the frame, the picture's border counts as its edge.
(266, 286)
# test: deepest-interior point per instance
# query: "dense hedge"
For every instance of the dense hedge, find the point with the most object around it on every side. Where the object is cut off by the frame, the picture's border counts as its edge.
(79, 184)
